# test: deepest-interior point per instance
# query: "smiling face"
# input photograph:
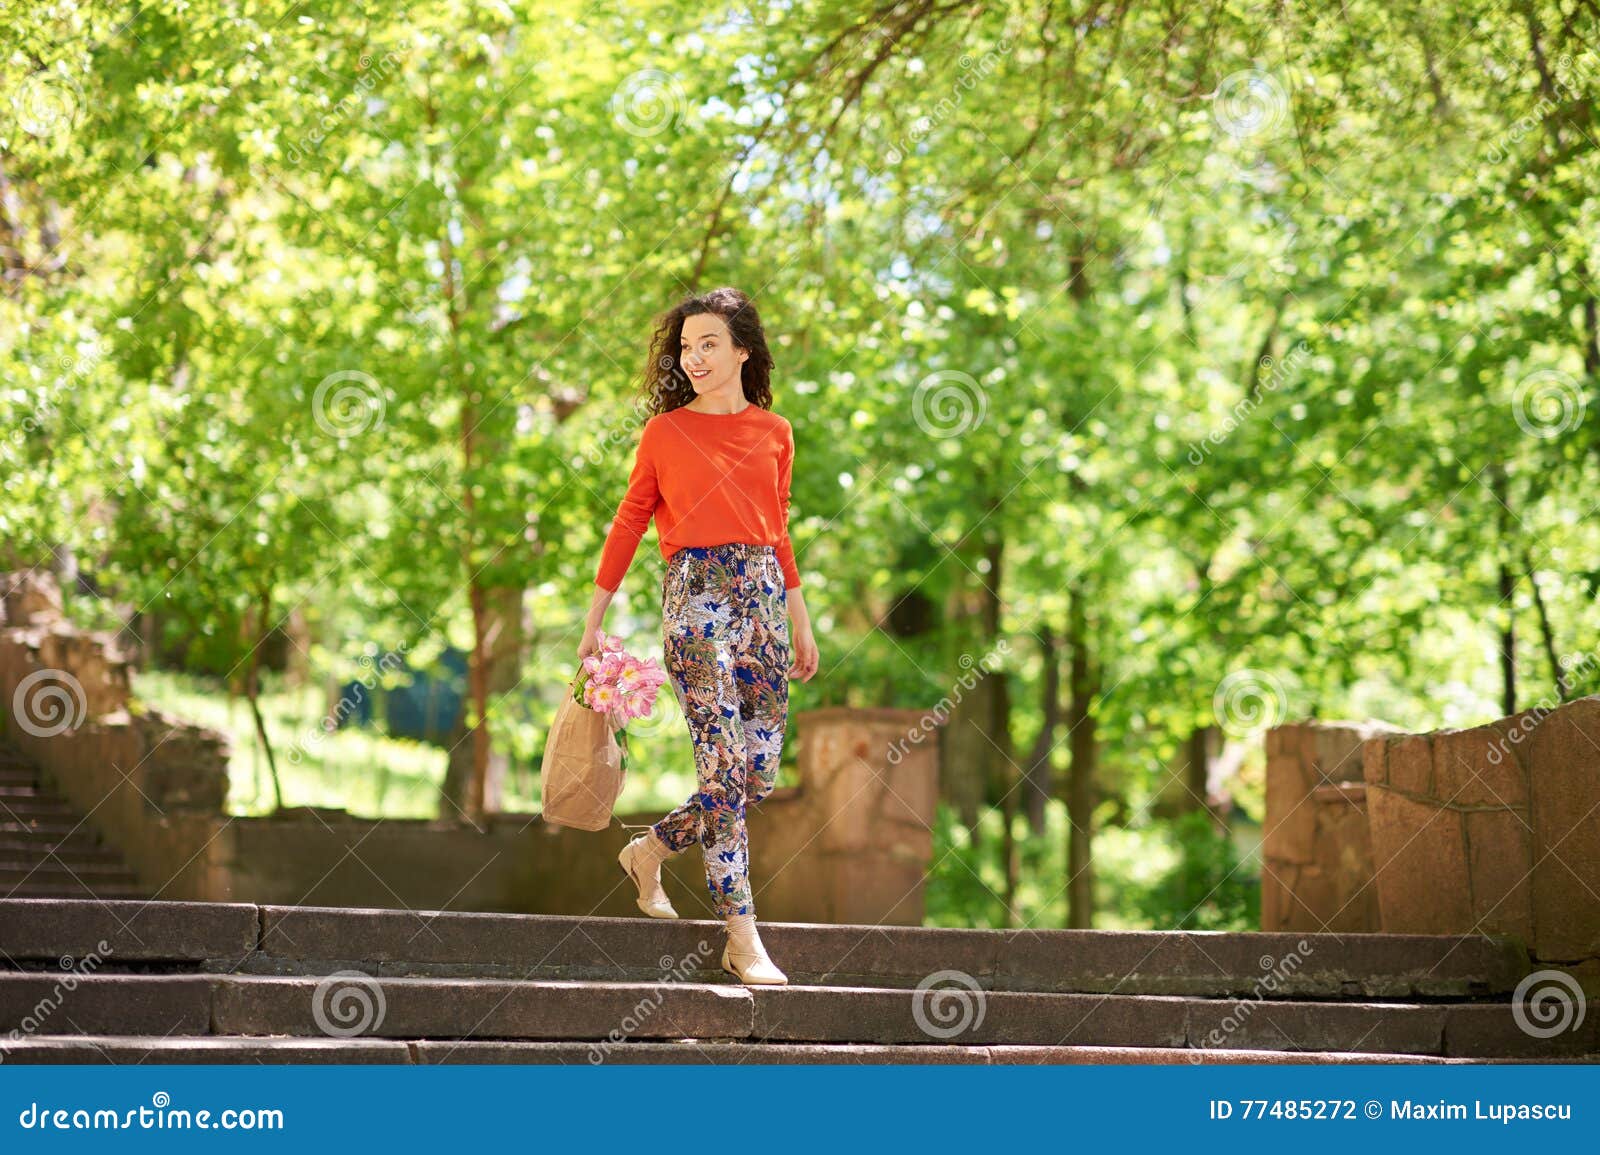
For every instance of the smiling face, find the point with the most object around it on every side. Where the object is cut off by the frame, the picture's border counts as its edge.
(709, 356)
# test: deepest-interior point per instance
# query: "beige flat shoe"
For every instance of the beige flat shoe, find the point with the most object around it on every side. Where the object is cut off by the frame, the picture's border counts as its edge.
(745, 958)
(644, 869)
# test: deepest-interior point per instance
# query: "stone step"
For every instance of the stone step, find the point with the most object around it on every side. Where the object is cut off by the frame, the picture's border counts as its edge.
(35, 808)
(13, 792)
(318, 940)
(136, 1049)
(411, 1008)
(79, 848)
(47, 870)
(95, 1004)
(26, 824)
(75, 889)
(134, 932)
(86, 1049)
(309, 939)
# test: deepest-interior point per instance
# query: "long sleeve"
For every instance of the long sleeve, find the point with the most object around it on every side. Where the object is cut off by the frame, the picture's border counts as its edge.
(785, 548)
(638, 505)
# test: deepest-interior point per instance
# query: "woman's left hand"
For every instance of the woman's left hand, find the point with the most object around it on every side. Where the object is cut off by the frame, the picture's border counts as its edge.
(805, 651)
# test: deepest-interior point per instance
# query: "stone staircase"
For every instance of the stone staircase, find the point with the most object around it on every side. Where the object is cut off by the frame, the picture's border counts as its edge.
(46, 849)
(131, 982)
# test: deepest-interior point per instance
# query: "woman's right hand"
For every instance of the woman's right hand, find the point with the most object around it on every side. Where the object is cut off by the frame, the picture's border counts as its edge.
(590, 642)
(593, 620)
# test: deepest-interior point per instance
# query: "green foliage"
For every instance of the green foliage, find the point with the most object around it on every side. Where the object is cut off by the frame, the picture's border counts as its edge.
(1273, 333)
(1206, 884)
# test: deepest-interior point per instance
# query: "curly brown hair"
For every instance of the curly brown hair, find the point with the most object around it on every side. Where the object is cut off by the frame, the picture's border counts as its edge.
(667, 387)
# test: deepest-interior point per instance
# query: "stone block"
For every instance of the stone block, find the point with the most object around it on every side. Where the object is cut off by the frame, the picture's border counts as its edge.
(36, 928)
(1419, 857)
(1290, 823)
(1374, 761)
(1410, 762)
(1499, 853)
(104, 1004)
(1563, 755)
(1478, 767)
(1338, 753)
(29, 597)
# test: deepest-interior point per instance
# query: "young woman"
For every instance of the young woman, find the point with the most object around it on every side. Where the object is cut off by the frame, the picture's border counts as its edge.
(713, 468)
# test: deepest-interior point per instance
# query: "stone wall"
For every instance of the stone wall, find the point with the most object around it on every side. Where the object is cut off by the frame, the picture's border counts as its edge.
(851, 843)
(1493, 829)
(1316, 857)
(150, 785)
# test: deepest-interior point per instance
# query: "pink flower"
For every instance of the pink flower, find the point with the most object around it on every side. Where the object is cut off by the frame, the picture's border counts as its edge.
(615, 682)
(604, 698)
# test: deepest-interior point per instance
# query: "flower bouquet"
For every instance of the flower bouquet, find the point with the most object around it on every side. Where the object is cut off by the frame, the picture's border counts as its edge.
(585, 752)
(618, 685)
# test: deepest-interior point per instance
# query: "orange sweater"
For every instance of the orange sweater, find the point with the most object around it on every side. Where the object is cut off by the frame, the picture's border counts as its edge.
(707, 479)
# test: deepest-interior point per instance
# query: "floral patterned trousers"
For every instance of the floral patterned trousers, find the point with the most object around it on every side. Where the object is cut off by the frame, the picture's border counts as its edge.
(725, 633)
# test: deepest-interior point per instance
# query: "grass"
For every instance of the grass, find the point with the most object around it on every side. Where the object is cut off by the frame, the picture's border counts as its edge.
(361, 770)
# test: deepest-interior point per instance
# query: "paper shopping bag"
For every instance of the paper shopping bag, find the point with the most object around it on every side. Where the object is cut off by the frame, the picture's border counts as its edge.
(582, 774)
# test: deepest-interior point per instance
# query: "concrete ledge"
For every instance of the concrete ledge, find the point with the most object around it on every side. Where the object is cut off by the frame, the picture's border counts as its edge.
(827, 1014)
(459, 1008)
(105, 1004)
(818, 954)
(1492, 1030)
(37, 928)
(83, 1049)
(136, 1050)
(691, 1051)
(1387, 1027)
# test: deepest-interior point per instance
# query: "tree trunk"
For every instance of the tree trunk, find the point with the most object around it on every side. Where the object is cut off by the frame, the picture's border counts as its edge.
(1507, 587)
(1001, 764)
(1546, 630)
(252, 690)
(1037, 772)
(1083, 680)
(502, 641)
(1201, 754)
